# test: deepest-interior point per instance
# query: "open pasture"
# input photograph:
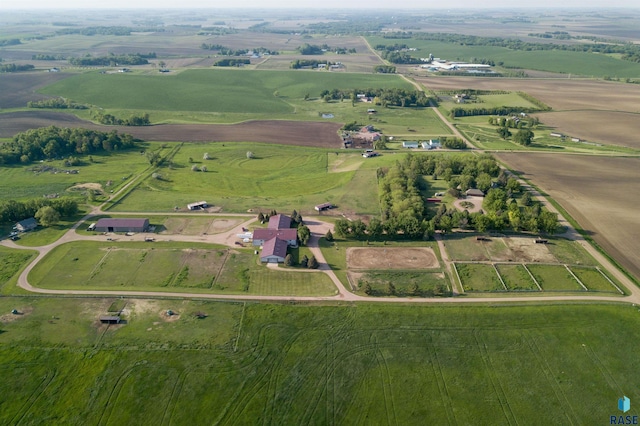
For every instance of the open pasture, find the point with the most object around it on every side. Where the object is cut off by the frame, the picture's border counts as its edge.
(302, 364)
(391, 258)
(12, 261)
(598, 192)
(108, 171)
(281, 177)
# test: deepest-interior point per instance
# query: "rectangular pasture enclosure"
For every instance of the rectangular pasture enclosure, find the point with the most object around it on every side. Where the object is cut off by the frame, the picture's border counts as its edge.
(428, 284)
(479, 277)
(554, 278)
(516, 278)
(594, 279)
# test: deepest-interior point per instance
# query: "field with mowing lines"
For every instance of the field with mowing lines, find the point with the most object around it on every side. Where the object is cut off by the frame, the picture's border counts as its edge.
(304, 365)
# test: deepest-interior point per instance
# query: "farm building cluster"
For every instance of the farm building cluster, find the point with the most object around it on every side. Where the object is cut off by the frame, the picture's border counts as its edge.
(275, 239)
(430, 144)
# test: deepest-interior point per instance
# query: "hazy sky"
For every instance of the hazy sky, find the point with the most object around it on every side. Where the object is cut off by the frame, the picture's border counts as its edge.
(315, 4)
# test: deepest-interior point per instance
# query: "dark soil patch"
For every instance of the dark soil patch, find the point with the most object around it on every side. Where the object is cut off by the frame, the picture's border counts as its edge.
(300, 133)
(19, 88)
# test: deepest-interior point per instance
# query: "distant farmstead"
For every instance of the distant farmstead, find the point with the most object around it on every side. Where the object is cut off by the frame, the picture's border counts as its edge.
(122, 225)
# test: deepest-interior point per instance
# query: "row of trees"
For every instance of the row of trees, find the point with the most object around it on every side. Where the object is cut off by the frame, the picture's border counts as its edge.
(501, 110)
(314, 49)
(112, 60)
(306, 63)
(226, 51)
(384, 69)
(104, 30)
(12, 211)
(56, 103)
(15, 68)
(45, 57)
(231, 62)
(132, 120)
(54, 142)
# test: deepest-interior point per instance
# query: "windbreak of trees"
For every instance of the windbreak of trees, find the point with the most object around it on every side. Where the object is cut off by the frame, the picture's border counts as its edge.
(43, 57)
(404, 211)
(384, 69)
(226, 51)
(133, 120)
(54, 142)
(112, 60)
(12, 211)
(231, 62)
(101, 30)
(15, 68)
(383, 97)
(56, 103)
(502, 110)
(302, 63)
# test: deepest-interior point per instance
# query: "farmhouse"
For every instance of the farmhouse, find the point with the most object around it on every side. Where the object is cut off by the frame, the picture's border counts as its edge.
(324, 206)
(473, 192)
(197, 206)
(26, 225)
(275, 239)
(410, 145)
(107, 224)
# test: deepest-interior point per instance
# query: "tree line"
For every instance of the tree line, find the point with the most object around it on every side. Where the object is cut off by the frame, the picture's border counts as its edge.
(12, 211)
(103, 30)
(56, 103)
(501, 110)
(15, 68)
(231, 62)
(112, 60)
(43, 57)
(226, 51)
(54, 142)
(404, 212)
(112, 120)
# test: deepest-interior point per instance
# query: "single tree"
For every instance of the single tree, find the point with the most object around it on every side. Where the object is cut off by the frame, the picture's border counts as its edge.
(413, 289)
(261, 217)
(366, 289)
(390, 289)
(304, 234)
(288, 260)
(47, 216)
(313, 263)
(504, 132)
(328, 236)
(524, 137)
(304, 262)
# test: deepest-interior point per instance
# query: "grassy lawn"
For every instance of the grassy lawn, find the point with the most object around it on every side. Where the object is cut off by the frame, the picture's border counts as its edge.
(516, 278)
(242, 274)
(570, 252)
(477, 277)
(12, 262)
(554, 278)
(313, 364)
(466, 248)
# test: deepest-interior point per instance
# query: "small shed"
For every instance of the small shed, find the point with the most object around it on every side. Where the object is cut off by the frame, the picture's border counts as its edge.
(198, 205)
(110, 319)
(324, 206)
(27, 224)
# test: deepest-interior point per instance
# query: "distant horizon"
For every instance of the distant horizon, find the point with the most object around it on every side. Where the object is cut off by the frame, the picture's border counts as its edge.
(328, 5)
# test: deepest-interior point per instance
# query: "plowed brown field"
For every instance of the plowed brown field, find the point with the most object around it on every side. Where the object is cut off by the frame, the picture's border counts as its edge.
(19, 88)
(599, 192)
(324, 135)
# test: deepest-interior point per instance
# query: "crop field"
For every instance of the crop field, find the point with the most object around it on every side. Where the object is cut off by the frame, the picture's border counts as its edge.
(596, 191)
(324, 364)
(572, 102)
(512, 99)
(565, 62)
(221, 91)
(280, 177)
(17, 88)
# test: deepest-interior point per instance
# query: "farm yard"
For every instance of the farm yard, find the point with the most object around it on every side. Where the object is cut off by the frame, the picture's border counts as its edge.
(228, 362)
(407, 323)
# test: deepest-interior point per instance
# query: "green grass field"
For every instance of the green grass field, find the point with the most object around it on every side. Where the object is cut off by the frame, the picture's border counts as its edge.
(516, 278)
(315, 365)
(479, 277)
(170, 267)
(217, 90)
(554, 278)
(279, 177)
(12, 262)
